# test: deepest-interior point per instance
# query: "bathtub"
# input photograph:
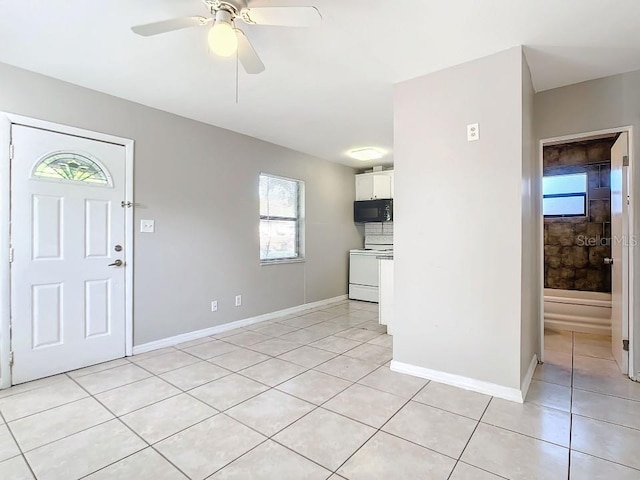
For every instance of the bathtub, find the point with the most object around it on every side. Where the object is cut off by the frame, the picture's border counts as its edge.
(588, 312)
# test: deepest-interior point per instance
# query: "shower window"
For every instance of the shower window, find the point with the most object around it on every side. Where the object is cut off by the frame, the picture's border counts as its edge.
(565, 195)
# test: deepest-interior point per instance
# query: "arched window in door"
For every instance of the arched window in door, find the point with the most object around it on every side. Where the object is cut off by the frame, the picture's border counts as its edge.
(72, 167)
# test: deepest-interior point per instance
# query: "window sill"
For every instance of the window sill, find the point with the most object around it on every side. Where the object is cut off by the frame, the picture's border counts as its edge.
(264, 263)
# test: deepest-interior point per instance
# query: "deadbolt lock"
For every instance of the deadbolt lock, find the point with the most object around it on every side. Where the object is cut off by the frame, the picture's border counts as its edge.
(118, 248)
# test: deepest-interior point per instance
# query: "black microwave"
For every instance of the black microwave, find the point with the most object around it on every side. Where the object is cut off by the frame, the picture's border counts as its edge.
(373, 211)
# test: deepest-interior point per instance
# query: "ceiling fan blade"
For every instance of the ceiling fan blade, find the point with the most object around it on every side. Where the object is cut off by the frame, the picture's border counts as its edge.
(247, 55)
(169, 25)
(282, 16)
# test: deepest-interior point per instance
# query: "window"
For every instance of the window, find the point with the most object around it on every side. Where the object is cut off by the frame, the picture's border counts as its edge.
(564, 195)
(71, 167)
(280, 218)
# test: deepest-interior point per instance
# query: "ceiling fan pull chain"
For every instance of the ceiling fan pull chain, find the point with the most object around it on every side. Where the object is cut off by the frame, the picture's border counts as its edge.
(237, 77)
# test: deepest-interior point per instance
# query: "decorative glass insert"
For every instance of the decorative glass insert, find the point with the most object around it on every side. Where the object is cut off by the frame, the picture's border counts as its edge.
(564, 195)
(73, 167)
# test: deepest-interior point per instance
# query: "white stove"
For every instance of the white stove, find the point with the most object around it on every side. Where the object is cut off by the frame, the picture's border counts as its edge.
(363, 262)
(364, 274)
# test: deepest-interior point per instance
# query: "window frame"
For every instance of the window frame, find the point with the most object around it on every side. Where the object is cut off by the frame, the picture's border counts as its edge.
(569, 195)
(299, 222)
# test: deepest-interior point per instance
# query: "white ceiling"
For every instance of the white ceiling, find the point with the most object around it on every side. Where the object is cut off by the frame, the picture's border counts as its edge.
(327, 89)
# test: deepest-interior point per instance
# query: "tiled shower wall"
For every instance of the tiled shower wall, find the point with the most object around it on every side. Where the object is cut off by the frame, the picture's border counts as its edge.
(575, 247)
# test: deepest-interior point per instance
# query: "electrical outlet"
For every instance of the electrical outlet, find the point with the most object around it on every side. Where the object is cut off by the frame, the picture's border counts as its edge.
(238, 300)
(147, 226)
(214, 306)
(473, 132)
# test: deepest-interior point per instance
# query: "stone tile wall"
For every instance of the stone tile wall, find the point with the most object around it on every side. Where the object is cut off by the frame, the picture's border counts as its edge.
(575, 247)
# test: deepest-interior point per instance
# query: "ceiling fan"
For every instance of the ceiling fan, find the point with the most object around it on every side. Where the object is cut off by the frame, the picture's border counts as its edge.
(224, 38)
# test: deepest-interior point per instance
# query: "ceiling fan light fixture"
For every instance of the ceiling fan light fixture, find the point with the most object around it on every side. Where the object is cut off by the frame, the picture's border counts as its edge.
(223, 39)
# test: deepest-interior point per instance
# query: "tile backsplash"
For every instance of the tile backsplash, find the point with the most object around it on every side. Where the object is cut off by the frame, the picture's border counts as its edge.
(378, 232)
(376, 228)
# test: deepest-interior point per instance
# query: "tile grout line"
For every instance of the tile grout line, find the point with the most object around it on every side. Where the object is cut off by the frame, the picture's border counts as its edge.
(382, 426)
(608, 422)
(47, 410)
(573, 351)
(152, 374)
(271, 437)
(308, 369)
(136, 434)
(470, 437)
(21, 454)
(607, 395)
(66, 375)
(316, 407)
(352, 382)
(224, 412)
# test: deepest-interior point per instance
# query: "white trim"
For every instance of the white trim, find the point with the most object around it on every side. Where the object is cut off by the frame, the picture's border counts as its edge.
(633, 171)
(526, 381)
(487, 388)
(540, 221)
(584, 312)
(630, 251)
(575, 323)
(5, 270)
(585, 135)
(6, 120)
(129, 225)
(187, 337)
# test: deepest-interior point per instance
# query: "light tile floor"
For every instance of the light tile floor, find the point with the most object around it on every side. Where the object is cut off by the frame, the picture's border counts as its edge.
(311, 396)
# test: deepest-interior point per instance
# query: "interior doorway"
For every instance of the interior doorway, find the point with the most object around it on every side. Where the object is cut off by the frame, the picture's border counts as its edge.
(586, 249)
(68, 280)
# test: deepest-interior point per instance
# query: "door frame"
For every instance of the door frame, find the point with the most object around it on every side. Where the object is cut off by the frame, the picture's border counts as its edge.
(6, 120)
(629, 301)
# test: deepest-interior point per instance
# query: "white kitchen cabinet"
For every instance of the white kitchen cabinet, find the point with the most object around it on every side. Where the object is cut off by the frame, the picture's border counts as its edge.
(373, 186)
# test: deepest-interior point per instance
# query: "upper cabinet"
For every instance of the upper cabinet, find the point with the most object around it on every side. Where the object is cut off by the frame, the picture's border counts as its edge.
(375, 185)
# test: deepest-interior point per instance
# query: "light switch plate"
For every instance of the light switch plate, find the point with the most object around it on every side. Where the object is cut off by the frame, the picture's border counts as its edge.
(473, 132)
(147, 226)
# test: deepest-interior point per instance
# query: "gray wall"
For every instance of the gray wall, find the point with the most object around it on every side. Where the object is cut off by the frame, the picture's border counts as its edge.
(597, 105)
(200, 184)
(458, 287)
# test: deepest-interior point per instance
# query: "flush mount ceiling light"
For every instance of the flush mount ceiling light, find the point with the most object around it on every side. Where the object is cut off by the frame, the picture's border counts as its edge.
(366, 154)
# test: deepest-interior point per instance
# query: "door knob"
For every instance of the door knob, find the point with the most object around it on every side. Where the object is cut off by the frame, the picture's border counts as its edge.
(608, 261)
(117, 263)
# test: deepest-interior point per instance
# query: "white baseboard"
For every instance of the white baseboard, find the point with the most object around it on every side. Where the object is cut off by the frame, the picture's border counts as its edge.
(526, 381)
(488, 388)
(187, 337)
(576, 324)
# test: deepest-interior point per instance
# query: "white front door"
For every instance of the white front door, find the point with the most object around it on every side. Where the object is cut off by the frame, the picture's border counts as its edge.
(619, 251)
(68, 239)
